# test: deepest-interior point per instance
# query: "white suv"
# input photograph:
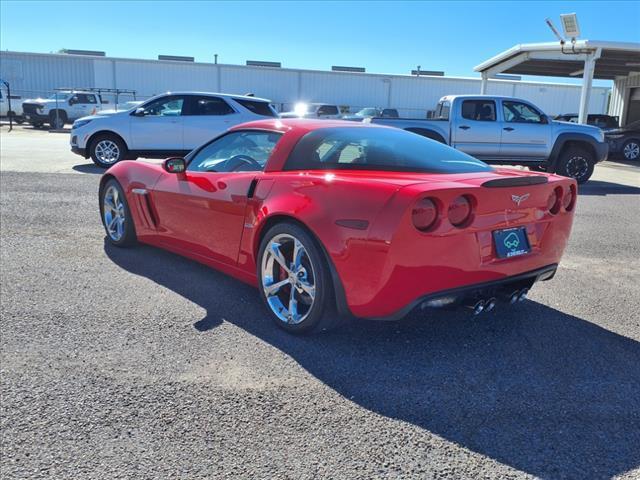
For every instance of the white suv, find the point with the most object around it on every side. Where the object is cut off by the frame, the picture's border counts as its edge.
(169, 124)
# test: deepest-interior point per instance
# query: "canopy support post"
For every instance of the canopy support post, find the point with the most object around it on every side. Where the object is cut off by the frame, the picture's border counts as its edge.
(587, 81)
(483, 83)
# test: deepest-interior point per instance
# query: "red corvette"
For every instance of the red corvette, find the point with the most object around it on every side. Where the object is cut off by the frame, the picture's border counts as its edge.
(371, 220)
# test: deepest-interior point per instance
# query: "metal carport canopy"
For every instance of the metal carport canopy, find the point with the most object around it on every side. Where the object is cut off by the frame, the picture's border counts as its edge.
(584, 58)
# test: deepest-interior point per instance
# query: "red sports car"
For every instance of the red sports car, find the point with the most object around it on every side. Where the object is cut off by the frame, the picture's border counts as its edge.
(329, 218)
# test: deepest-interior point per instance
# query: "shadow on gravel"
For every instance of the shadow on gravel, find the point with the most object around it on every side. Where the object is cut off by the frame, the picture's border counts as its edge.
(529, 386)
(89, 168)
(598, 187)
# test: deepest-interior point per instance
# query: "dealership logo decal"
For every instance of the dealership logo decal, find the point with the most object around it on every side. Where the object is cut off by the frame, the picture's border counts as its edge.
(511, 241)
(518, 199)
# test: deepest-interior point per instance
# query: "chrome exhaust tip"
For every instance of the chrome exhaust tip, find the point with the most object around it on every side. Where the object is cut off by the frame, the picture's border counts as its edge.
(522, 296)
(490, 304)
(513, 298)
(478, 307)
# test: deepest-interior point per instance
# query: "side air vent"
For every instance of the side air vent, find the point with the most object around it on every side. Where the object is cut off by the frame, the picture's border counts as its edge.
(515, 182)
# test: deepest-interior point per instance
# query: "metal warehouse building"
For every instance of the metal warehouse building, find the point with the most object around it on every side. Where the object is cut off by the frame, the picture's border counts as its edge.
(36, 74)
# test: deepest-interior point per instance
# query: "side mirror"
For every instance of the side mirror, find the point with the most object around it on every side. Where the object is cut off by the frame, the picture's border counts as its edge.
(175, 165)
(139, 112)
(73, 101)
(544, 120)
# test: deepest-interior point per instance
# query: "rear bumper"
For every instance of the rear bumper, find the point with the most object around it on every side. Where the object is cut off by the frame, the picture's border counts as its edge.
(456, 296)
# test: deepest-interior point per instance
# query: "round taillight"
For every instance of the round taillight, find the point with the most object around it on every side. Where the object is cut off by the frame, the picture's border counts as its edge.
(569, 199)
(460, 211)
(424, 214)
(553, 202)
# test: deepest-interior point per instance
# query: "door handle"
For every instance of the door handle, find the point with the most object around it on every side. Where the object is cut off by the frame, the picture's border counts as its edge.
(509, 129)
(464, 127)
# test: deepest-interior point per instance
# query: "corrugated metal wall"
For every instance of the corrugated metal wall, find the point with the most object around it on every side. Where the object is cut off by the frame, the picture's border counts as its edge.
(620, 95)
(38, 74)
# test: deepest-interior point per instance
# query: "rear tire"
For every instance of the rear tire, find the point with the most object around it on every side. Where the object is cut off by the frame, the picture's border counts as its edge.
(116, 216)
(107, 150)
(577, 163)
(294, 280)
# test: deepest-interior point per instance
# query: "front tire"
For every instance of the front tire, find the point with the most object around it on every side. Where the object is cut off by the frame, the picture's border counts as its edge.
(576, 163)
(57, 122)
(107, 150)
(116, 216)
(631, 150)
(294, 280)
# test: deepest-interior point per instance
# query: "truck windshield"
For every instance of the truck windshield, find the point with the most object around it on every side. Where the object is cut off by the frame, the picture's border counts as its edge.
(378, 148)
(59, 96)
(367, 112)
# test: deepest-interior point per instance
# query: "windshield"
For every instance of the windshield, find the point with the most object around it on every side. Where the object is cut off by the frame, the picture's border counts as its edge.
(59, 96)
(367, 112)
(376, 148)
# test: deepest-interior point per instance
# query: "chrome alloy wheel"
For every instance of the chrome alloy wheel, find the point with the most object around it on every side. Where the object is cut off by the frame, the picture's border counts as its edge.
(288, 279)
(113, 213)
(577, 166)
(107, 151)
(631, 151)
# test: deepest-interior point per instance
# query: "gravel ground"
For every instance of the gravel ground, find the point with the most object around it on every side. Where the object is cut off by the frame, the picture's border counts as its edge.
(141, 364)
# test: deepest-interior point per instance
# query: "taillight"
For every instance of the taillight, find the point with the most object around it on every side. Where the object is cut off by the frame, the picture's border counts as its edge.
(424, 214)
(553, 202)
(569, 199)
(460, 211)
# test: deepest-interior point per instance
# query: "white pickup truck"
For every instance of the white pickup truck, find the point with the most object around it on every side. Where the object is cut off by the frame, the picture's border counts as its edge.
(61, 108)
(510, 131)
(15, 110)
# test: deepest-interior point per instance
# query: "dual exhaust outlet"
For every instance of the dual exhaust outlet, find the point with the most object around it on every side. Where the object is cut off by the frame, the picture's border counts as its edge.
(486, 305)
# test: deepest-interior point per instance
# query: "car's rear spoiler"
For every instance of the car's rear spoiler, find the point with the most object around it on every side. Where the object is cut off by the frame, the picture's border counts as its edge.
(515, 181)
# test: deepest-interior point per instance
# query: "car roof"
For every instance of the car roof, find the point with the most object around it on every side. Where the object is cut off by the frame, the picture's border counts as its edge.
(302, 125)
(215, 94)
(480, 96)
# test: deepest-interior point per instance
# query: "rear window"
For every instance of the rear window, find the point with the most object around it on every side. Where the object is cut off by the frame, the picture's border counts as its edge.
(259, 108)
(328, 110)
(375, 148)
(211, 106)
(442, 111)
(480, 110)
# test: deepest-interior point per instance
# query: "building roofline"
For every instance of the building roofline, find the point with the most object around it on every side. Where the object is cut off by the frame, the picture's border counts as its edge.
(287, 69)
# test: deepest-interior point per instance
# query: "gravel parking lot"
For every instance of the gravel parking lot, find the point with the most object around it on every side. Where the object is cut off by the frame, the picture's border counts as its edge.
(141, 364)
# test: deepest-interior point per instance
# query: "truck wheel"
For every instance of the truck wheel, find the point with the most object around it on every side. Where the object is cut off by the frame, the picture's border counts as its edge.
(107, 150)
(631, 149)
(576, 163)
(58, 121)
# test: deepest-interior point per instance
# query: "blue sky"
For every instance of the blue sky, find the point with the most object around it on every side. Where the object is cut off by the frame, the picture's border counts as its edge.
(384, 37)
